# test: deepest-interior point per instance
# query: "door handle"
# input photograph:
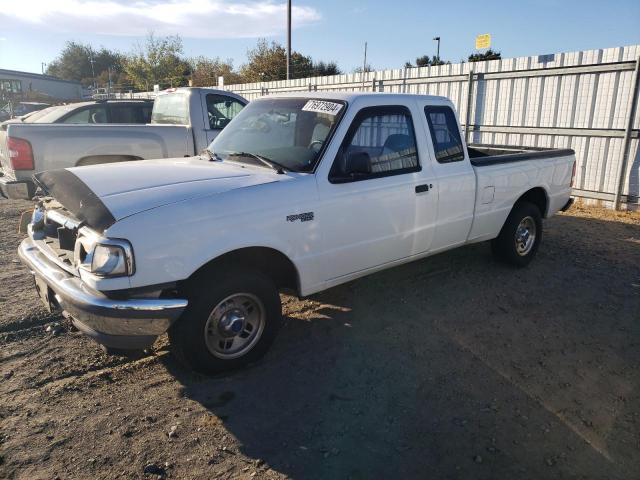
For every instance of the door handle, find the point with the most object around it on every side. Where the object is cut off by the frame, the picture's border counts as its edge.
(422, 188)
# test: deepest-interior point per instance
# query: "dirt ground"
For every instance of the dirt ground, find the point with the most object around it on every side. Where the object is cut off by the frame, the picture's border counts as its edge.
(451, 367)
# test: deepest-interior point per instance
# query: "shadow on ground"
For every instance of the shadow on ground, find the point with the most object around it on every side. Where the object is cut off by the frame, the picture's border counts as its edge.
(454, 367)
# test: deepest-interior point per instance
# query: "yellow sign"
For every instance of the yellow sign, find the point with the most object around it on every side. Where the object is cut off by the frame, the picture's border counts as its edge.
(483, 41)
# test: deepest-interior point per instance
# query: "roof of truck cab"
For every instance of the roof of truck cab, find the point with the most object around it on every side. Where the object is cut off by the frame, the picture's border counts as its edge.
(351, 96)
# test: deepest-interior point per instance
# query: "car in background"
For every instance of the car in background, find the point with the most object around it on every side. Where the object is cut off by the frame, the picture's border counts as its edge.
(183, 122)
(97, 111)
(25, 108)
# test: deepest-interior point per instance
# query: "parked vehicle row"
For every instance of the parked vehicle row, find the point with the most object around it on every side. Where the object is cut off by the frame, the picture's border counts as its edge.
(179, 123)
(298, 193)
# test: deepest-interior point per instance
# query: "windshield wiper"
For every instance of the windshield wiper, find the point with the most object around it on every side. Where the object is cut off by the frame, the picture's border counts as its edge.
(278, 167)
(213, 156)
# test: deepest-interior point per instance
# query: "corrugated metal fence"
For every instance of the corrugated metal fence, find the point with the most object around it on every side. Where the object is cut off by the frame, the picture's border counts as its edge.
(580, 100)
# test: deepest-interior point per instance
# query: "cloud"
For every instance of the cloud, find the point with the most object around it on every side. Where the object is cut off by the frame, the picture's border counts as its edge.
(189, 18)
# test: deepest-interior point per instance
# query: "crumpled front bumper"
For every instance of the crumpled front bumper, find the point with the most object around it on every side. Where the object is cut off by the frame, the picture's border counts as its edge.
(126, 324)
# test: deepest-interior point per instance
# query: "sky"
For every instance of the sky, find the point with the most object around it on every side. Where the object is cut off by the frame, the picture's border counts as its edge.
(34, 31)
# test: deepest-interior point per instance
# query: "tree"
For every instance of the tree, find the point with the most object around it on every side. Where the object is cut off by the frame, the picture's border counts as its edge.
(425, 61)
(268, 62)
(205, 71)
(158, 62)
(488, 55)
(74, 63)
(367, 68)
(321, 69)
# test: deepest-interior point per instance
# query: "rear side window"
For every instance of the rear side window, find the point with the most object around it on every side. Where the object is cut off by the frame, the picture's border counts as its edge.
(221, 109)
(171, 108)
(445, 134)
(124, 114)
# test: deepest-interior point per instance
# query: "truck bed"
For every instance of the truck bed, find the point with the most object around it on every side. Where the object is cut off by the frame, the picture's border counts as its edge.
(482, 155)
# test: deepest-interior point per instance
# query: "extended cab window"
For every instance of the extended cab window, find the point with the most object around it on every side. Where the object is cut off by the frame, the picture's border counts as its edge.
(130, 113)
(380, 142)
(221, 109)
(445, 134)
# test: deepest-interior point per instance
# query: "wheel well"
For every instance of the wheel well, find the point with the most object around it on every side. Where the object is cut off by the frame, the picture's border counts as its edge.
(99, 159)
(538, 197)
(269, 261)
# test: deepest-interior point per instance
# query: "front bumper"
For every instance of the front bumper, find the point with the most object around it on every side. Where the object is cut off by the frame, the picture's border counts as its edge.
(127, 324)
(17, 189)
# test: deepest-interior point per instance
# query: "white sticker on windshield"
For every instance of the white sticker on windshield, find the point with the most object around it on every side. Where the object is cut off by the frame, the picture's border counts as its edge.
(320, 106)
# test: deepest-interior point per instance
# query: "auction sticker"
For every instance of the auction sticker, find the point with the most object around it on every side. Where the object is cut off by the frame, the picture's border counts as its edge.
(321, 106)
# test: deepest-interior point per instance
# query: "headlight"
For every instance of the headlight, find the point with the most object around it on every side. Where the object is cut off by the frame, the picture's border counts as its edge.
(103, 257)
(111, 260)
(108, 260)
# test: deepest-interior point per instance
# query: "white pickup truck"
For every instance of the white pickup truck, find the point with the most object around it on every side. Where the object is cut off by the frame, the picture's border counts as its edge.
(183, 122)
(299, 193)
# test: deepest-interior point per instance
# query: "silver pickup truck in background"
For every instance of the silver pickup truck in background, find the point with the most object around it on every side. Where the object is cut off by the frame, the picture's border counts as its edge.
(183, 122)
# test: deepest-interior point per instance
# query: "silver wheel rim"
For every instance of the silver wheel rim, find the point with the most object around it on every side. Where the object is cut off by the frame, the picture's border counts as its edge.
(234, 326)
(525, 236)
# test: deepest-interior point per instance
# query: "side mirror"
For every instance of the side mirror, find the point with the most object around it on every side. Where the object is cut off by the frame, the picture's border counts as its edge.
(358, 163)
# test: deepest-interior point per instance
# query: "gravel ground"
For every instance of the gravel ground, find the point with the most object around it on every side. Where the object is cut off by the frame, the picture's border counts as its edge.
(451, 367)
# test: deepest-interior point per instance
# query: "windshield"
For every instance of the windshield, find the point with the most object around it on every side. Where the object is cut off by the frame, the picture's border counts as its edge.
(289, 132)
(48, 115)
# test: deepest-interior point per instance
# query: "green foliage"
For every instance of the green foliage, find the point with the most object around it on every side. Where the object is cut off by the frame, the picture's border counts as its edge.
(488, 55)
(158, 62)
(321, 69)
(268, 61)
(367, 68)
(74, 63)
(425, 61)
(205, 71)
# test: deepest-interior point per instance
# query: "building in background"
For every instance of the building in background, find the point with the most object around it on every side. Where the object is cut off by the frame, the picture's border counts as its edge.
(18, 86)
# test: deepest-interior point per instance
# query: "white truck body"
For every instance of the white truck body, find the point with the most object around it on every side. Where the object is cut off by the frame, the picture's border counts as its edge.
(182, 214)
(60, 145)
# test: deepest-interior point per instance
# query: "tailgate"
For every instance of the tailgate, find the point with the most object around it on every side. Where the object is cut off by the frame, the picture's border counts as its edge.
(5, 164)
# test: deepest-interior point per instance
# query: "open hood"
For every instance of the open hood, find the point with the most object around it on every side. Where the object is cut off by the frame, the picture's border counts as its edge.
(100, 195)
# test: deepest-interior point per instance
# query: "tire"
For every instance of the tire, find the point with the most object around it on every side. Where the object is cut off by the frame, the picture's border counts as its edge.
(231, 321)
(515, 245)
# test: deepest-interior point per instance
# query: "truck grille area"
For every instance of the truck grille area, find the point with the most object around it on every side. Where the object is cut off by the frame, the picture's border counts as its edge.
(55, 233)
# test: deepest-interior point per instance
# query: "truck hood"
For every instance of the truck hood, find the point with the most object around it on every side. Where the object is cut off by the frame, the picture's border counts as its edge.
(100, 195)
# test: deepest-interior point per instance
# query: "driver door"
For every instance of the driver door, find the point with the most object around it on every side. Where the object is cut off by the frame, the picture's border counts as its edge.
(386, 215)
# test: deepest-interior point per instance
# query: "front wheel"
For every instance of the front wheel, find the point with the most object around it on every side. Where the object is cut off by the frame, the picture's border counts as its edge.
(520, 237)
(231, 320)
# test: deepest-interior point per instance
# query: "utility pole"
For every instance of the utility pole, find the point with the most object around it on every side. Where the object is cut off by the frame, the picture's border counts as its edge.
(42, 65)
(93, 73)
(437, 39)
(288, 39)
(109, 89)
(364, 64)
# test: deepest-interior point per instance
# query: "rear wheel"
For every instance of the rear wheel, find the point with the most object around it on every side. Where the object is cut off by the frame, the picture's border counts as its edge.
(520, 237)
(231, 320)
